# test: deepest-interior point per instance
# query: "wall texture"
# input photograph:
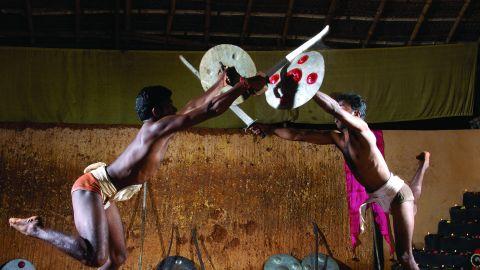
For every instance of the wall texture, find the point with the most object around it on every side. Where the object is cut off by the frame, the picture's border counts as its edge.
(249, 198)
(455, 166)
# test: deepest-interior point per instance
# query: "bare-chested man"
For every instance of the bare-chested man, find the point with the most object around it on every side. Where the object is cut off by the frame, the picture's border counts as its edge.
(358, 145)
(100, 241)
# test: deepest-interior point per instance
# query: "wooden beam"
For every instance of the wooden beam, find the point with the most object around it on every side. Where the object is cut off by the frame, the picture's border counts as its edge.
(208, 11)
(144, 11)
(117, 24)
(171, 13)
(286, 24)
(245, 21)
(420, 20)
(28, 8)
(128, 23)
(379, 12)
(128, 15)
(457, 21)
(156, 36)
(331, 12)
(78, 12)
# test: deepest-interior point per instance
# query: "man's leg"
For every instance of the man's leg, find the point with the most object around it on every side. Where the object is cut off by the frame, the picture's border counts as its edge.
(117, 247)
(417, 180)
(403, 223)
(91, 246)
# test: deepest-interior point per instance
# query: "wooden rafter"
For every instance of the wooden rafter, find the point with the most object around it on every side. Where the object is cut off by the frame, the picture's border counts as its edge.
(420, 20)
(379, 12)
(457, 21)
(208, 11)
(78, 12)
(171, 13)
(128, 22)
(147, 11)
(158, 39)
(331, 12)
(28, 8)
(245, 21)
(117, 24)
(286, 24)
(128, 15)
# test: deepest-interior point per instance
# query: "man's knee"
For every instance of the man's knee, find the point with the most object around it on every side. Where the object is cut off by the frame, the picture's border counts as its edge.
(97, 258)
(118, 257)
(94, 257)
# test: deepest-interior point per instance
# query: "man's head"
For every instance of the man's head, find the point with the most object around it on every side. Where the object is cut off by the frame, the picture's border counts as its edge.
(153, 102)
(351, 103)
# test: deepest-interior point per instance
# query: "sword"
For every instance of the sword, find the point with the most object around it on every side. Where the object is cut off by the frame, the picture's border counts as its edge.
(305, 46)
(190, 67)
(235, 109)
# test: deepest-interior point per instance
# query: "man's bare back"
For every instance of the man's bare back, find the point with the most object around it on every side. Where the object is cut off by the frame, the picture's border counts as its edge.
(140, 160)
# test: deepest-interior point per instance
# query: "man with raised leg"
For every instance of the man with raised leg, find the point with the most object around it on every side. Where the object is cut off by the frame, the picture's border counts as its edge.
(358, 145)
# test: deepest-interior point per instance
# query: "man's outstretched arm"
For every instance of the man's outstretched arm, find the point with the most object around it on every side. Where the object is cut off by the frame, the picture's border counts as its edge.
(228, 76)
(293, 134)
(332, 107)
(214, 106)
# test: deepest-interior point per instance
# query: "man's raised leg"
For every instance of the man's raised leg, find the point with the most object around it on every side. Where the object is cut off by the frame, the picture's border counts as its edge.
(403, 224)
(417, 180)
(91, 246)
(117, 247)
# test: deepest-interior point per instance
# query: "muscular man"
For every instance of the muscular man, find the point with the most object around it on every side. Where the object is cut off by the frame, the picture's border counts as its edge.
(100, 241)
(358, 145)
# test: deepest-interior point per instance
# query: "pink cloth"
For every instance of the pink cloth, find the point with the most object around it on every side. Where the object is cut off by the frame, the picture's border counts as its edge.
(356, 196)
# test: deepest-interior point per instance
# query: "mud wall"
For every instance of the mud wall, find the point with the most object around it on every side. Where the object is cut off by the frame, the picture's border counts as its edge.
(249, 198)
(455, 166)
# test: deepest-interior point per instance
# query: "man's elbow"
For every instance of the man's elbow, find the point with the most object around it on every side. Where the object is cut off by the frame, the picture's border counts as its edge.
(215, 109)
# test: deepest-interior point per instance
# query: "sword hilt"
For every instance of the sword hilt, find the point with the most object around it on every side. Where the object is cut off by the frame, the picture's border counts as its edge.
(262, 133)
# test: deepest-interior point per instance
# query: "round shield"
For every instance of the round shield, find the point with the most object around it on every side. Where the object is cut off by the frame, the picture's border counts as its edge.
(282, 262)
(225, 55)
(308, 263)
(176, 263)
(299, 84)
(18, 264)
(475, 259)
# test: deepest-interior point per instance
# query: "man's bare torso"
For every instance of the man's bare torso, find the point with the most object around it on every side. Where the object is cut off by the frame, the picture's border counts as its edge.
(363, 157)
(140, 160)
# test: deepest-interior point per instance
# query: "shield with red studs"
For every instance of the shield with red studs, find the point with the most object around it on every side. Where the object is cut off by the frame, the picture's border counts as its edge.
(300, 82)
(18, 264)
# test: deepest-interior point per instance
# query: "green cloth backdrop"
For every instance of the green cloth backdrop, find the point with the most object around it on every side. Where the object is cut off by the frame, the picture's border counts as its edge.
(99, 86)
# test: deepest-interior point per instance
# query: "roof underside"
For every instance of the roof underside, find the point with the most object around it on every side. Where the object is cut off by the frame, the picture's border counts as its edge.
(252, 24)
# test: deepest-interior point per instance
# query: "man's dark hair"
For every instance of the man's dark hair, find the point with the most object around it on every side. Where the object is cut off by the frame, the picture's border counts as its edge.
(150, 97)
(354, 100)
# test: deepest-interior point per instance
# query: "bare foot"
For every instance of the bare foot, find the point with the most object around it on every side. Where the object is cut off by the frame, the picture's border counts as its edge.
(27, 226)
(425, 158)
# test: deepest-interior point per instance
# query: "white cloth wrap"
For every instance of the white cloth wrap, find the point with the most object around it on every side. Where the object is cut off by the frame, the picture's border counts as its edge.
(382, 196)
(109, 191)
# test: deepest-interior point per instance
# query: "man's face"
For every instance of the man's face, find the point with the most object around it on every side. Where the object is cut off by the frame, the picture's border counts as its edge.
(346, 107)
(168, 108)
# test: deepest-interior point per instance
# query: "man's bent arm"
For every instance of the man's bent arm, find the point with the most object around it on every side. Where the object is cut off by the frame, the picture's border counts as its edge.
(206, 97)
(214, 107)
(332, 107)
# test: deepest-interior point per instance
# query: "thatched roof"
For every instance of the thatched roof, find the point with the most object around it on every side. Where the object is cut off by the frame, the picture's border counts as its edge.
(253, 24)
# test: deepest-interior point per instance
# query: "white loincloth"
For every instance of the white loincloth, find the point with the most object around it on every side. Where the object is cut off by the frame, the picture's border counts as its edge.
(109, 191)
(382, 196)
